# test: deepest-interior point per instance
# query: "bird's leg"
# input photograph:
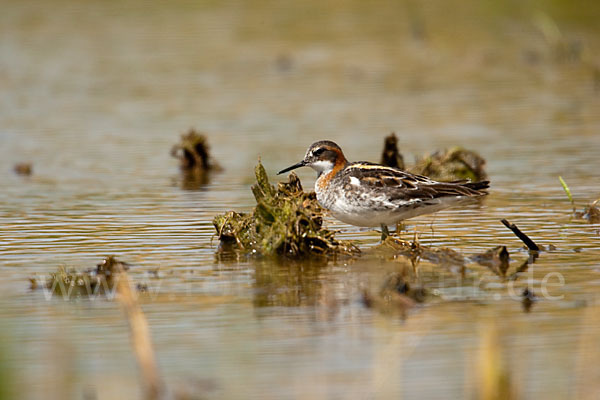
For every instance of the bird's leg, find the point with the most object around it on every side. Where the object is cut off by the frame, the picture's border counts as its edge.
(431, 226)
(399, 228)
(384, 232)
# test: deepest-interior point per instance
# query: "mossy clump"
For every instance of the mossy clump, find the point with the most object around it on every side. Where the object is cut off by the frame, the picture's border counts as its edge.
(286, 221)
(391, 156)
(193, 153)
(450, 165)
(453, 164)
(98, 281)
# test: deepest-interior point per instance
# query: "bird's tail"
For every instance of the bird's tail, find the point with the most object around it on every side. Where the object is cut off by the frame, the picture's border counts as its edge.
(482, 185)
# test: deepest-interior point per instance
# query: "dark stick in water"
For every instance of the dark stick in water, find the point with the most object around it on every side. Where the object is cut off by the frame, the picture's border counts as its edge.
(528, 242)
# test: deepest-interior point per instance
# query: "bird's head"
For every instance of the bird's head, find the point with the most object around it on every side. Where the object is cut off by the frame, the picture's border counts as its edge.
(321, 156)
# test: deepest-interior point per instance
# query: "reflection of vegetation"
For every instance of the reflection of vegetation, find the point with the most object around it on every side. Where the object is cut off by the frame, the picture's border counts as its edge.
(286, 221)
(496, 259)
(396, 296)
(528, 298)
(397, 283)
(6, 376)
(287, 284)
(561, 48)
(495, 379)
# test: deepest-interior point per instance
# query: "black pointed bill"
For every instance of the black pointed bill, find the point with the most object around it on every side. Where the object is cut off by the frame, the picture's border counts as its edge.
(300, 164)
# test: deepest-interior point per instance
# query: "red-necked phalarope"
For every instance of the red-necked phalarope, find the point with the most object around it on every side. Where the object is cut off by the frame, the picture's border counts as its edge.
(368, 194)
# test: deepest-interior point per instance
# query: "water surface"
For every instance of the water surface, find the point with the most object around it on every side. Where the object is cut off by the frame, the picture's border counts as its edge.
(95, 94)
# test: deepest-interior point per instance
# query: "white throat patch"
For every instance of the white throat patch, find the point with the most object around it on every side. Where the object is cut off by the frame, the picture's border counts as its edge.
(322, 166)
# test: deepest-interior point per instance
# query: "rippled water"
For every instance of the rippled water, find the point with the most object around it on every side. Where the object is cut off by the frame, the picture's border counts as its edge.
(95, 94)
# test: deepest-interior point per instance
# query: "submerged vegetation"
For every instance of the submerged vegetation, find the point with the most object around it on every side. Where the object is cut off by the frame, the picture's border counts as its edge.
(286, 221)
(99, 281)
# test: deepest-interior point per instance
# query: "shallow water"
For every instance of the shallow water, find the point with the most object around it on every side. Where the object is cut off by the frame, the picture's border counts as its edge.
(95, 94)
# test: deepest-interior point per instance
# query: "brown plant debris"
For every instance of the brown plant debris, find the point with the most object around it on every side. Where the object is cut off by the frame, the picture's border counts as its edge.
(24, 169)
(99, 281)
(286, 221)
(193, 153)
(391, 156)
(591, 212)
(454, 164)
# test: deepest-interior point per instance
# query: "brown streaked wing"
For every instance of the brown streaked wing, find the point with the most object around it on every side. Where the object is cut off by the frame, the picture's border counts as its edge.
(387, 175)
(400, 185)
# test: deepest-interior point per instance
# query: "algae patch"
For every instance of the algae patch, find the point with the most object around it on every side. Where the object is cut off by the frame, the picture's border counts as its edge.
(286, 221)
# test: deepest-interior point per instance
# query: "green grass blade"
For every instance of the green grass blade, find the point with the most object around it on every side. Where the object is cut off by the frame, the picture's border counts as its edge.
(567, 190)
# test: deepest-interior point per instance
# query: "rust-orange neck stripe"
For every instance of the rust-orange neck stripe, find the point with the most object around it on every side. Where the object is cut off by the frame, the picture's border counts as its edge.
(340, 163)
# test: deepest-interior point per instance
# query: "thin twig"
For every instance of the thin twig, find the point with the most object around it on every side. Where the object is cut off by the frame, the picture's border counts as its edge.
(524, 238)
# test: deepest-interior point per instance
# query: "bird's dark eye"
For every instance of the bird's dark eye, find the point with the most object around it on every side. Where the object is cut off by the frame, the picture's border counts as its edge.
(318, 151)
